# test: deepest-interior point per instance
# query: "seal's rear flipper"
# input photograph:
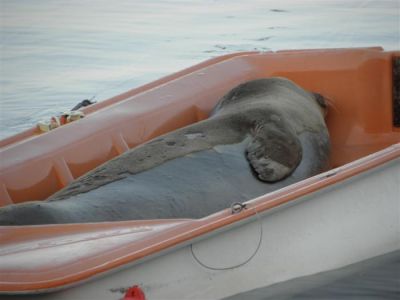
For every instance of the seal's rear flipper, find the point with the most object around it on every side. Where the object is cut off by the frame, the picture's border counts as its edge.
(274, 152)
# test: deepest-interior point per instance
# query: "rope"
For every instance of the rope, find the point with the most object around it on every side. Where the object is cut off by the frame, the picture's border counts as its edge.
(240, 264)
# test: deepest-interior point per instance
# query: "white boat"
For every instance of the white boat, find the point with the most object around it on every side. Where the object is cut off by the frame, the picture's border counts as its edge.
(347, 215)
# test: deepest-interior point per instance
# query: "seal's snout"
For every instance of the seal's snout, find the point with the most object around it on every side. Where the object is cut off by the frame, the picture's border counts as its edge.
(322, 102)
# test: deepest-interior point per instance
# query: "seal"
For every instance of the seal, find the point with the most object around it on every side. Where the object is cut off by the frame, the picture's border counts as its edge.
(261, 136)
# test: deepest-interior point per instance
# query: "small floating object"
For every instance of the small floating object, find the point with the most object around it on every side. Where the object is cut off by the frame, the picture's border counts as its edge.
(57, 121)
(66, 117)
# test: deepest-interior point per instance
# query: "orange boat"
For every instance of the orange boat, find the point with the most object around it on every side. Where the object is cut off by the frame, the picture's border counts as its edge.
(283, 235)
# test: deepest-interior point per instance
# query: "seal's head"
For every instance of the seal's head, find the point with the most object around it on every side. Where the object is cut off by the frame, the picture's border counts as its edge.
(265, 90)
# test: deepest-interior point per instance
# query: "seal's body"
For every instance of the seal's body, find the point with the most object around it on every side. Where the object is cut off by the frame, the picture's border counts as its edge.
(262, 135)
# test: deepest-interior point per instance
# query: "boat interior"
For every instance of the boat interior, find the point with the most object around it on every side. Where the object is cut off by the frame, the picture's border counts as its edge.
(359, 85)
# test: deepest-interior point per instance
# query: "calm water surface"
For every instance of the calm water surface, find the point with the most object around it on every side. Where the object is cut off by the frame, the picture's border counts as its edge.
(56, 53)
(377, 278)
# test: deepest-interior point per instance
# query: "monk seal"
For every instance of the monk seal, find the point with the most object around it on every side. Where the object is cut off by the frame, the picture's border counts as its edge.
(261, 136)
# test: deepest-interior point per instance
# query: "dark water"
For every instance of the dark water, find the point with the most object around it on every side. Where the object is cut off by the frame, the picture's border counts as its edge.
(374, 279)
(56, 53)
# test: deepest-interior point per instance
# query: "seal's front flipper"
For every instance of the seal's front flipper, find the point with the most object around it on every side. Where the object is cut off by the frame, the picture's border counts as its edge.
(274, 151)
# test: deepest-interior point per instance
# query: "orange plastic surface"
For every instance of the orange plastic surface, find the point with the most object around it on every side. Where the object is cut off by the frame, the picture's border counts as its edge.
(357, 82)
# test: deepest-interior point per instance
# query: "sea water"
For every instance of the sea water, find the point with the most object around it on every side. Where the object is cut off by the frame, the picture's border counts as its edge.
(55, 53)
(377, 278)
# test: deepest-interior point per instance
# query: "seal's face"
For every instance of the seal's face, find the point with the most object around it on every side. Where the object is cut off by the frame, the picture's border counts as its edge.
(321, 103)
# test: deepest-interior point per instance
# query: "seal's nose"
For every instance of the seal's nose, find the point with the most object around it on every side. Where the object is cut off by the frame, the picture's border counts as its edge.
(330, 106)
(323, 102)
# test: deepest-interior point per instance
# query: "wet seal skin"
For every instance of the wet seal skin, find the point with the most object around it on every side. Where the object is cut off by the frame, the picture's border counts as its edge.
(261, 136)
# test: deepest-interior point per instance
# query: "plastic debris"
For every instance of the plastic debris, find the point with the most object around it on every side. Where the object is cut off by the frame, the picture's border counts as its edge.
(57, 121)
(64, 118)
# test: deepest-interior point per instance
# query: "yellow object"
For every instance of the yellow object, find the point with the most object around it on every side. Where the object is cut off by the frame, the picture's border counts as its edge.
(57, 121)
